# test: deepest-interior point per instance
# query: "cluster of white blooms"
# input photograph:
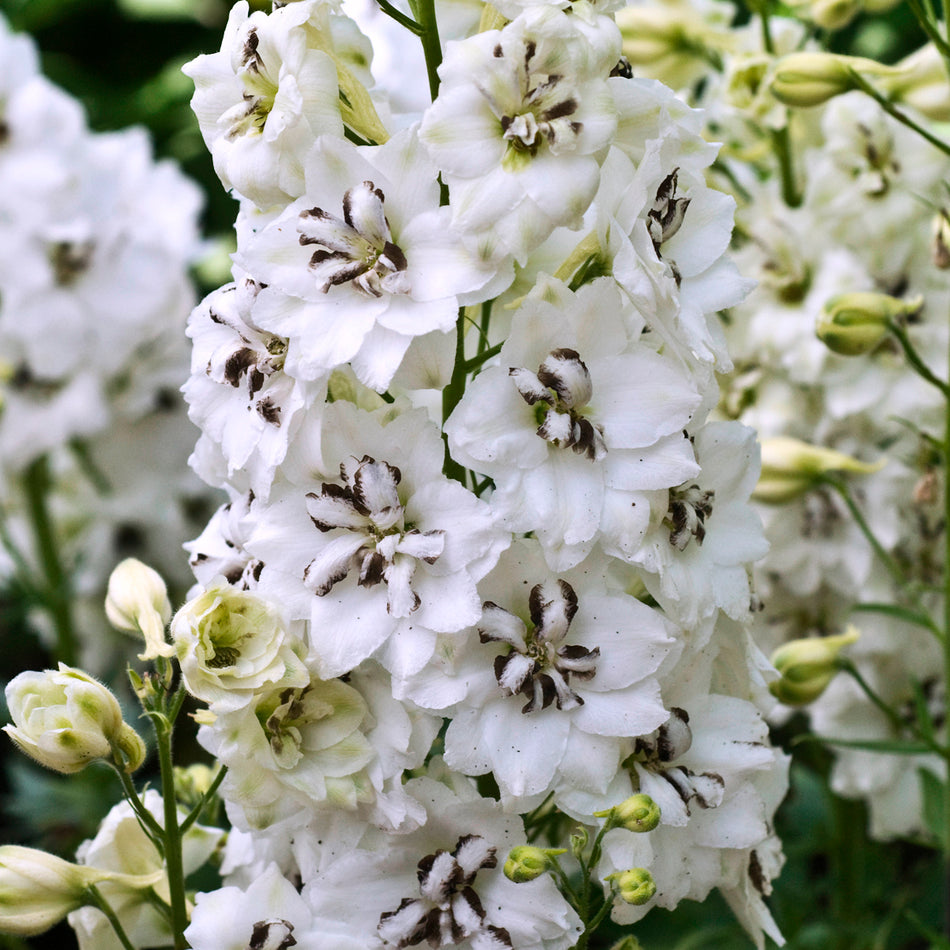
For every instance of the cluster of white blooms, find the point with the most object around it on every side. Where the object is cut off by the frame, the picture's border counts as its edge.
(95, 243)
(480, 523)
(846, 242)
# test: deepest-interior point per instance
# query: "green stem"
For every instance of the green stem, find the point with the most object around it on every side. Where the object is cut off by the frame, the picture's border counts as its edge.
(476, 361)
(452, 395)
(915, 359)
(99, 901)
(155, 832)
(400, 17)
(173, 858)
(37, 483)
(946, 661)
(896, 113)
(195, 813)
(424, 13)
(893, 568)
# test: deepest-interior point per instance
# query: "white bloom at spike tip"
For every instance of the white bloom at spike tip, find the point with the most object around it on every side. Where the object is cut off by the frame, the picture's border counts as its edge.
(264, 98)
(363, 262)
(372, 544)
(442, 883)
(521, 117)
(577, 423)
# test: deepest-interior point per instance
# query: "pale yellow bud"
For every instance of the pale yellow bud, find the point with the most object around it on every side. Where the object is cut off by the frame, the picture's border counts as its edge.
(811, 79)
(637, 813)
(791, 468)
(941, 240)
(830, 14)
(65, 719)
(854, 324)
(635, 886)
(526, 862)
(137, 602)
(920, 81)
(808, 666)
(37, 890)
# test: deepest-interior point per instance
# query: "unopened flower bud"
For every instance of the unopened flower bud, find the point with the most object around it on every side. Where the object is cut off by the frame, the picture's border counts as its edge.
(941, 240)
(579, 841)
(37, 890)
(854, 324)
(811, 79)
(65, 719)
(807, 666)
(830, 14)
(920, 81)
(637, 813)
(635, 886)
(791, 468)
(627, 943)
(526, 862)
(137, 602)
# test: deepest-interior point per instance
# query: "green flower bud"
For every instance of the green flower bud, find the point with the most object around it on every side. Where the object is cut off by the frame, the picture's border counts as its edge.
(854, 324)
(807, 666)
(920, 81)
(627, 943)
(137, 602)
(579, 840)
(65, 719)
(811, 79)
(638, 813)
(830, 14)
(941, 240)
(525, 862)
(37, 890)
(791, 468)
(635, 886)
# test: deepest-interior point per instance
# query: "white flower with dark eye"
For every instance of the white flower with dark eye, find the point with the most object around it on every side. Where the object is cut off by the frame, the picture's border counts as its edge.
(442, 885)
(559, 673)
(371, 543)
(362, 263)
(521, 116)
(238, 393)
(697, 552)
(264, 98)
(579, 422)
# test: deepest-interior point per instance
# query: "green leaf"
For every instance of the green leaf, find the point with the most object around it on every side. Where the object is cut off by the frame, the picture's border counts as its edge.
(933, 794)
(901, 613)
(893, 746)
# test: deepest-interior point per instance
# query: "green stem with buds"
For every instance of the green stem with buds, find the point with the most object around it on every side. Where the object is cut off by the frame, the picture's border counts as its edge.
(896, 113)
(37, 484)
(97, 900)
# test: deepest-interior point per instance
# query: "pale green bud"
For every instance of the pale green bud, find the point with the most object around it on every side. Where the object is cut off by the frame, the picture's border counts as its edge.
(808, 666)
(941, 240)
(791, 468)
(192, 782)
(635, 886)
(637, 813)
(627, 943)
(829, 14)
(526, 862)
(920, 81)
(854, 324)
(579, 840)
(811, 79)
(37, 890)
(65, 719)
(137, 602)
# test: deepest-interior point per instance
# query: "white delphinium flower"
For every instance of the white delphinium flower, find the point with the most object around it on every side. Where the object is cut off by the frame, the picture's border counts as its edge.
(563, 671)
(697, 552)
(231, 644)
(220, 551)
(268, 915)
(246, 406)
(371, 543)
(263, 99)
(121, 845)
(519, 124)
(365, 255)
(329, 745)
(717, 783)
(578, 421)
(442, 884)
